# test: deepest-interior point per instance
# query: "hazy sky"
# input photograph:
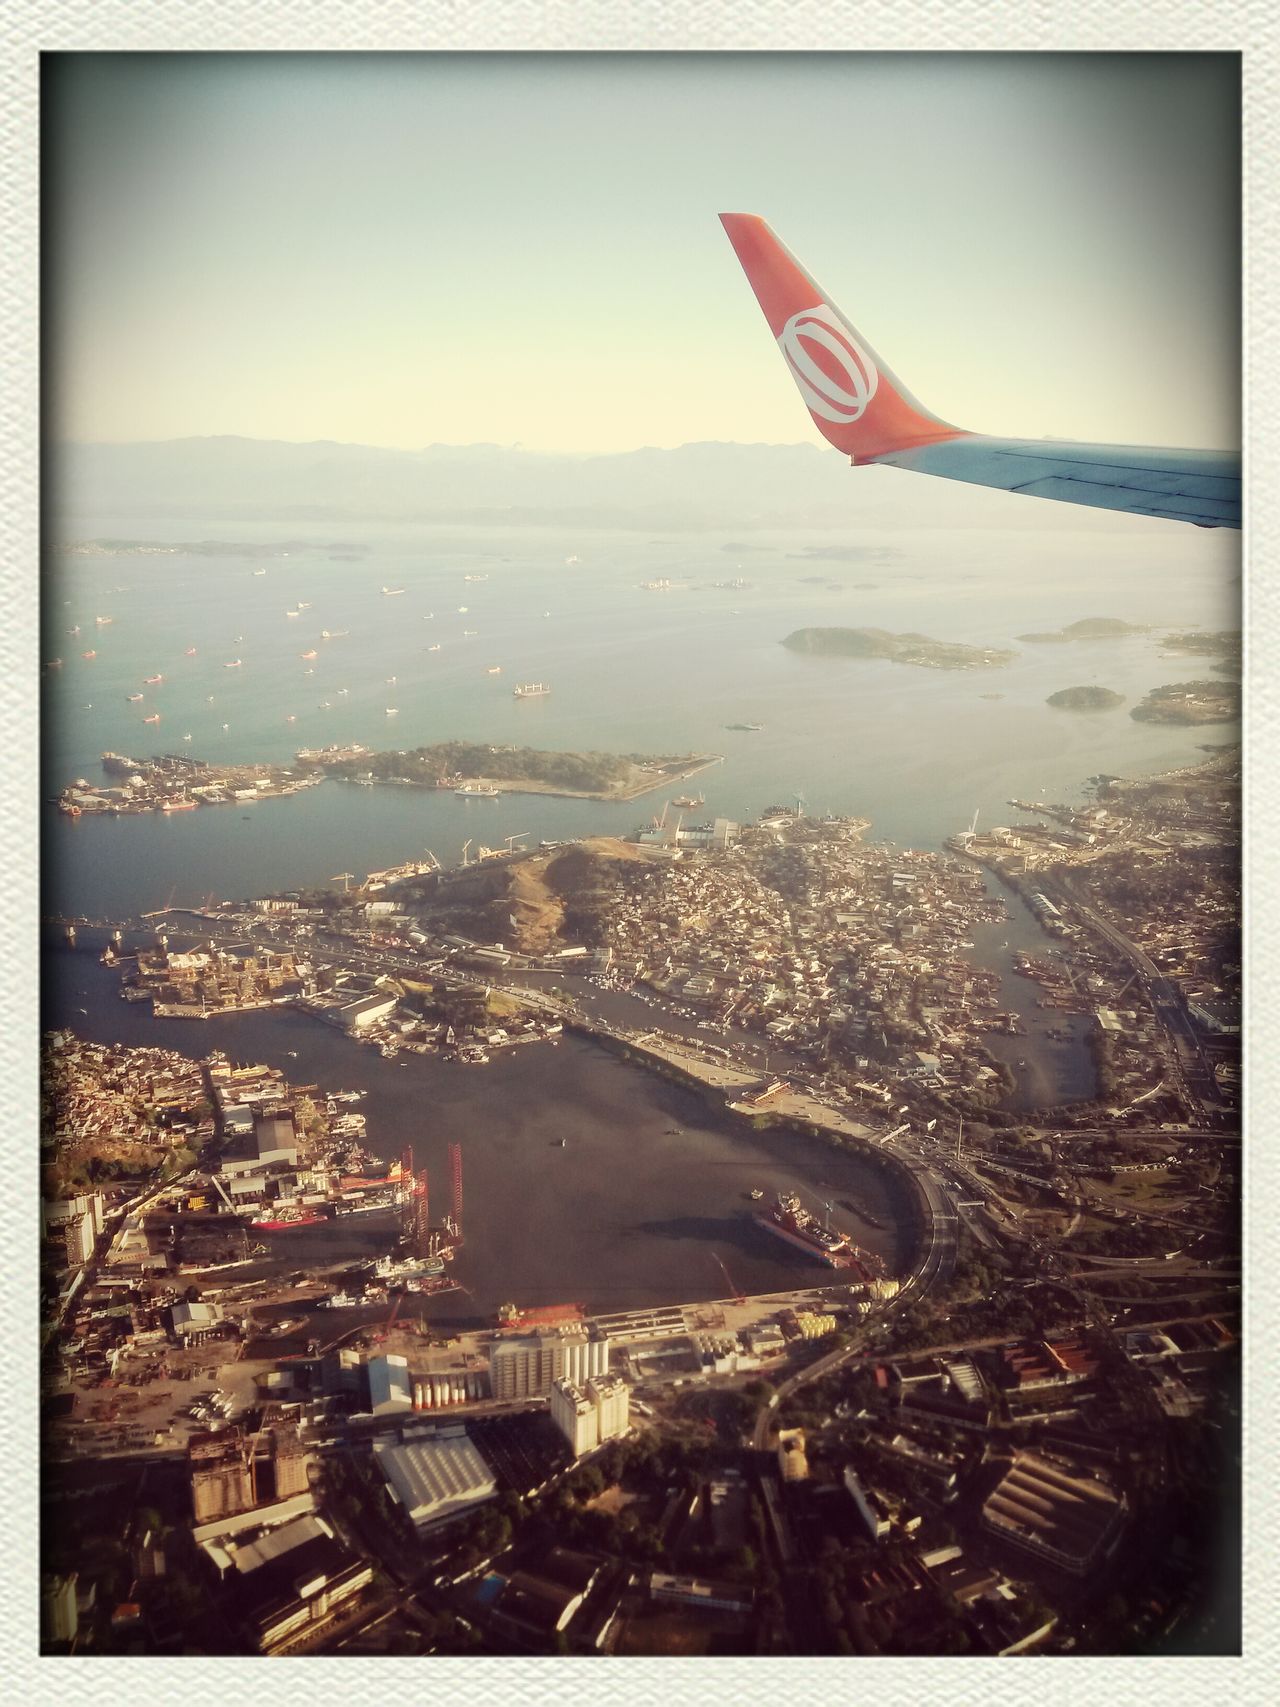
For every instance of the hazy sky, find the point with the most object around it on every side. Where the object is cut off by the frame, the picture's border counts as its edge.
(403, 249)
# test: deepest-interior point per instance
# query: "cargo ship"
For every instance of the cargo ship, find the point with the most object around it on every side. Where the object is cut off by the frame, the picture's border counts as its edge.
(477, 791)
(792, 1222)
(531, 690)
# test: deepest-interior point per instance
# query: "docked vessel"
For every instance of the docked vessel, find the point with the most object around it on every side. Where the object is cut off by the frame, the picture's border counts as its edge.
(687, 800)
(286, 1219)
(531, 690)
(789, 1220)
(477, 791)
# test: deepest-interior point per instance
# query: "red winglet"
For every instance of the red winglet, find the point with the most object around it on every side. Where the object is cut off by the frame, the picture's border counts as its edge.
(856, 402)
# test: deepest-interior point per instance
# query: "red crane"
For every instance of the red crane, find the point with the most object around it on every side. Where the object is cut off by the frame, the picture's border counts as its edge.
(422, 1221)
(455, 1174)
(387, 1325)
(738, 1297)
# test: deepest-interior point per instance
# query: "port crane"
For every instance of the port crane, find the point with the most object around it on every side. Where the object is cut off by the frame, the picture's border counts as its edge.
(465, 846)
(520, 836)
(380, 1337)
(738, 1297)
(344, 878)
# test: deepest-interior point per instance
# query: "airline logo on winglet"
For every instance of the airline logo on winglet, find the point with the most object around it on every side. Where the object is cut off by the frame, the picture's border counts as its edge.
(836, 376)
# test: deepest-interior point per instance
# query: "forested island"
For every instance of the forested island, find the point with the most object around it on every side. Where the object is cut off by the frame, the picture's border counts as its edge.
(1190, 702)
(918, 649)
(1087, 698)
(1088, 628)
(602, 776)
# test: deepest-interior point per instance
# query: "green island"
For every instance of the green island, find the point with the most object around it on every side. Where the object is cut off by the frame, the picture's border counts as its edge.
(1088, 628)
(1086, 698)
(1190, 702)
(917, 649)
(597, 776)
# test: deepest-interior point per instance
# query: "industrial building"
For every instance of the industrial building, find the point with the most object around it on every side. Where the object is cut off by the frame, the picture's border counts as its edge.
(869, 1509)
(589, 1415)
(389, 1386)
(221, 1475)
(543, 1601)
(793, 1462)
(435, 1475)
(1054, 1513)
(526, 1366)
(289, 1463)
(59, 1609)
(293, 1579)
(276, 1136)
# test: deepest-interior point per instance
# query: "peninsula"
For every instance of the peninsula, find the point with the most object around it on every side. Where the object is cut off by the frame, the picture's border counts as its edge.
(1190, 702)
(518, 770)
(918, 649)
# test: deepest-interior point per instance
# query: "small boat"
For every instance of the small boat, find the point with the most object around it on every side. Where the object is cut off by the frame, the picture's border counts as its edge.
(259, 571)
(102, 621)
(391, 681)
(494, 670)
(233, 665)
(89, 654)
(154, 718)
(434, 648)
(190, 652)
(462, 610)
(469, 631)
(151, 681)
(304, 604)
(756, 1195)
(54, 664)
(186, 737)
(135, 697)
(291, 718)
(226, 726)
(393, 711)
(344, 690)
(293, 613)
(392, 592)
(334, 633)
(310, 654)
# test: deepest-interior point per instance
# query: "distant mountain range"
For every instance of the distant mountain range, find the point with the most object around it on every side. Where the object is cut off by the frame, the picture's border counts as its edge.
(739, 486)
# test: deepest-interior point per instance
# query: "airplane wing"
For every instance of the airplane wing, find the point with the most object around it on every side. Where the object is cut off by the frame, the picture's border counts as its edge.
(861, 408)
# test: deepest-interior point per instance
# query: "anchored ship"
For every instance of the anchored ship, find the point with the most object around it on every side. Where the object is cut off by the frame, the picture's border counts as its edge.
(792, 1222)
(531, 690)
